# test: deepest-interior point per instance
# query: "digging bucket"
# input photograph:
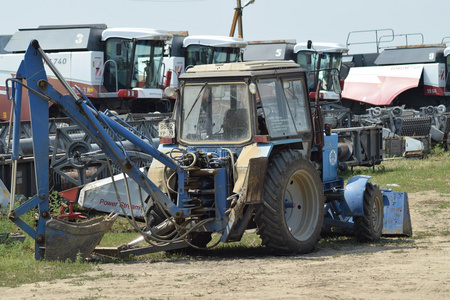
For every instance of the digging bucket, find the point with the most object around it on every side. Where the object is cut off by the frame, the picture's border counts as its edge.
(67, 240)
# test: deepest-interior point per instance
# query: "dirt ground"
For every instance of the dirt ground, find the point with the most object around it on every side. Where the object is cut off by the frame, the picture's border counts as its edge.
(396, 268)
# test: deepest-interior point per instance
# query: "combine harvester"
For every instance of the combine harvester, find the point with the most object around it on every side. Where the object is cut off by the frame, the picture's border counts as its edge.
(242, 145)
(405, 88)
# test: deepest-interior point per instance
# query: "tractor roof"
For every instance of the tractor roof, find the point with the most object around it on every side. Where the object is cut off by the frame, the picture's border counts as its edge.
(251, 68)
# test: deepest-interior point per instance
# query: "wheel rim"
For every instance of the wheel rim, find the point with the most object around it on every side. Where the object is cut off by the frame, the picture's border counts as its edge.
(301, 202)
(377, 213)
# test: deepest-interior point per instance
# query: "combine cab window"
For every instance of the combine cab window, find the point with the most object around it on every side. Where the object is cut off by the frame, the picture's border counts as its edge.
(202, 55)
(144, 73)
(216, 113)
(309, 60)
(147, 62)
(198, 55)
(118, 53)
(329, 62)
(226, 55)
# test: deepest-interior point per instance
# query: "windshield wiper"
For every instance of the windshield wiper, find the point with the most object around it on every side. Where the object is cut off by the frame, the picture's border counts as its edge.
(196, 99)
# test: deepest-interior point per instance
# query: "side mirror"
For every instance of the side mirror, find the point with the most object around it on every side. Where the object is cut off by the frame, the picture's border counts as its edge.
(309, 44)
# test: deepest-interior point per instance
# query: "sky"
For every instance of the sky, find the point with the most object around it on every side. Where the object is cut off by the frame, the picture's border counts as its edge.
(320, 21)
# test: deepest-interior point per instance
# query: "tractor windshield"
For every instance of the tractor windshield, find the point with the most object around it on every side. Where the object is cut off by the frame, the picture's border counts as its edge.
(215, 112)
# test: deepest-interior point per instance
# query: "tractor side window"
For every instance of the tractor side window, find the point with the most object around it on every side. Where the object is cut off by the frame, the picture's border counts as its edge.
(294, 91)
(276, 111)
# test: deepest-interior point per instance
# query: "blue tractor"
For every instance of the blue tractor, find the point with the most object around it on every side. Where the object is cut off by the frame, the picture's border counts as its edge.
(244, 149)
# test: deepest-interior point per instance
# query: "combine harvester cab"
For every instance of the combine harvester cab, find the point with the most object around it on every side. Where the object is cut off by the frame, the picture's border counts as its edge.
(117, 68)
(187, 51)
(322, 60)
(210, 49)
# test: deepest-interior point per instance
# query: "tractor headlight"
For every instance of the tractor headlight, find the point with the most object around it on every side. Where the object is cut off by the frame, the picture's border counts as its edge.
(166, 129)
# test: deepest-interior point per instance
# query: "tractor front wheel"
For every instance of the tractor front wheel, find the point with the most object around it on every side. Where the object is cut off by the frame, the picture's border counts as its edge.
(368, 227)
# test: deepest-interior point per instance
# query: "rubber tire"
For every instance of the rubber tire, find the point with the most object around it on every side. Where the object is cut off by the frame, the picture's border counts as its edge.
(368, 227)
(296, 230)
(154, 216)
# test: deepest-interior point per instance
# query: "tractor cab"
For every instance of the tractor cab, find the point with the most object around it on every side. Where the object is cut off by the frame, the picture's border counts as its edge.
(242, 103)
(323, 62)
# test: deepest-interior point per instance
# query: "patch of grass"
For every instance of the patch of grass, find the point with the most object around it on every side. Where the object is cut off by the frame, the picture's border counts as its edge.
(337, 242)
(444, 205)
(437, 149)
(410, 175)
(422, 235)
(445, 233)
(94, 297)
(18, 266)
(198, 295)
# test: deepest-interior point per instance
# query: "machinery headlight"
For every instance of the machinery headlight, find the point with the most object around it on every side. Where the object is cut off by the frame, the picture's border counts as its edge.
(170, 91)
(166, 129)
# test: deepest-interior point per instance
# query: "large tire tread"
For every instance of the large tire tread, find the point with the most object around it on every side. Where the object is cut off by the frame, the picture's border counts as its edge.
(365, 229)
(270, 214)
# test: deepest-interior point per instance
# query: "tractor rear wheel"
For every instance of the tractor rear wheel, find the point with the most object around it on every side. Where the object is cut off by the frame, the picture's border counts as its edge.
(368, 227)
(290, 217)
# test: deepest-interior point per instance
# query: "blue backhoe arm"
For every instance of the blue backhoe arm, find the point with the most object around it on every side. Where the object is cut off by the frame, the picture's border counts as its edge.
(81, 111)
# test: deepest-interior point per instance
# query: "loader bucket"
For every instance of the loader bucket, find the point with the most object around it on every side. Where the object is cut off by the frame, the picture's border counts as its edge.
(397, 220)
(67, 240)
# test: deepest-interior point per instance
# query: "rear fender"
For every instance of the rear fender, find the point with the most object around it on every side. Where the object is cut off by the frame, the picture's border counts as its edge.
(354, 195)
(242, 164)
